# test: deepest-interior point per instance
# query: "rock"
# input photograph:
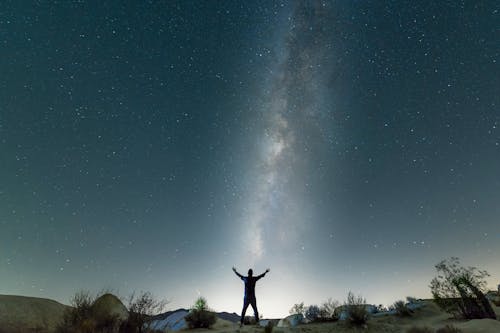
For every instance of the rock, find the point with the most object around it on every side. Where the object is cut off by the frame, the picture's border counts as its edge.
(291, 321)
(371, 309)
(28, 314)
(109, 305)
(173, 322)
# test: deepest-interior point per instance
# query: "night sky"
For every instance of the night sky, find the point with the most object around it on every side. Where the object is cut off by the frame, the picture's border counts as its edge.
(346, 145)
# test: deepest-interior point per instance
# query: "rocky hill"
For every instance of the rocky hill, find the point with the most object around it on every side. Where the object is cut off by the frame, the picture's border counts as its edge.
(29, 314)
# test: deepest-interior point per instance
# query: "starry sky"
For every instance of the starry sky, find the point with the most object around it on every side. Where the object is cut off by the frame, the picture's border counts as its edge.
(346, 145)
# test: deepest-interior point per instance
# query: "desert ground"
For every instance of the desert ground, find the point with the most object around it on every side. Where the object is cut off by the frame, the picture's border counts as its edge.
(26, 314)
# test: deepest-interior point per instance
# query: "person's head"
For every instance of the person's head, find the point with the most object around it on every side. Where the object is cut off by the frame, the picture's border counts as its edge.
(250, 272)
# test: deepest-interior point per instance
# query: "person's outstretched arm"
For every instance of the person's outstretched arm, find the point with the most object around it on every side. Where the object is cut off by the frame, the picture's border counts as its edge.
(263, 274)
(235, 272)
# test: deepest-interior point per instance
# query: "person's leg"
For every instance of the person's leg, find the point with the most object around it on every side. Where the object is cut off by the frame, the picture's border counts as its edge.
(253, 302)
(245, 306)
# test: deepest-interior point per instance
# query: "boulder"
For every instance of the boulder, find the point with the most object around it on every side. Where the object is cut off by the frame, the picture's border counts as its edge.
(291, 321)
(29, 314)
(109, 305)
(371, 309)
(173, 322)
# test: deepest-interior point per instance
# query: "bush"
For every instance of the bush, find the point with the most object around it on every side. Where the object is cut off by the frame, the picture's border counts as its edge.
(449, 329)
(312, 313)
(355, 307)
(201, 304)
(416, 329)
(200, 319)
(200, 316)
(460, 291)
(402, 309)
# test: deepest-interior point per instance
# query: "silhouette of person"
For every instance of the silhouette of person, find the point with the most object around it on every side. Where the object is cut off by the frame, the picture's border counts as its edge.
(249, 298)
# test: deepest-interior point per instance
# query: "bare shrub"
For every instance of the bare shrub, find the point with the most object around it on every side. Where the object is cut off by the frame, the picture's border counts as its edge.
(327, 310)
(355, 307)
(460, 290)
(141, 309)
(78, 318)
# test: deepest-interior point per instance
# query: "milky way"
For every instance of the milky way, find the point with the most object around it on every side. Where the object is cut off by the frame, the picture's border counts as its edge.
(294, 102)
